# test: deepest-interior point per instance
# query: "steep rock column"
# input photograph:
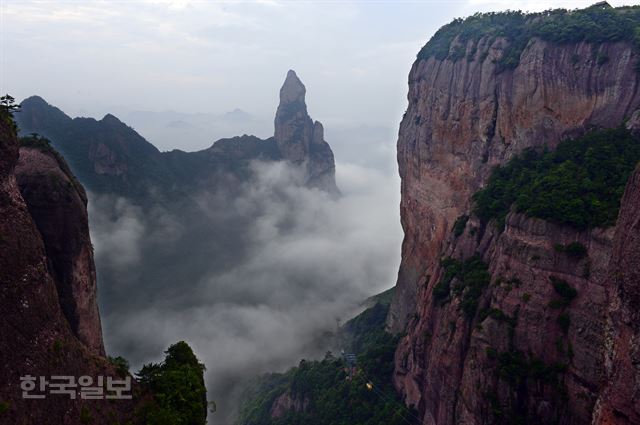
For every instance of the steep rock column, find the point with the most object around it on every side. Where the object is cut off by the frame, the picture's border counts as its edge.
(300, 140)
(293, 126)
(58, 205)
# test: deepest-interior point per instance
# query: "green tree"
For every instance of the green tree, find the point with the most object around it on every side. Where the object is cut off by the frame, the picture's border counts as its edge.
(7, 107)
(177, 385)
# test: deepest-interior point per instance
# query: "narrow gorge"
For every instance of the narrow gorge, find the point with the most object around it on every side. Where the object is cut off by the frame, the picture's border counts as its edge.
(517, 294)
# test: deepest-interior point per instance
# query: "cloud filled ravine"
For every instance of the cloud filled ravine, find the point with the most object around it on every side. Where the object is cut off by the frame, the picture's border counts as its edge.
(254, 280)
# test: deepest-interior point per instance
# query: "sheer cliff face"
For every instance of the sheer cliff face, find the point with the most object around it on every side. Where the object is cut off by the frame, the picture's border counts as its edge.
(50, 325)
(620, 400)
(58, 206)
(463, 118)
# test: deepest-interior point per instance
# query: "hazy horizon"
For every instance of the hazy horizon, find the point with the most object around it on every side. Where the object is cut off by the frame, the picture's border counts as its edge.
(91, 58)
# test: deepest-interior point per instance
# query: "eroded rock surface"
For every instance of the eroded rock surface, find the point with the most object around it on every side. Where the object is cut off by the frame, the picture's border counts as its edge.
(58, 205)
(44, 297)
(465, 117)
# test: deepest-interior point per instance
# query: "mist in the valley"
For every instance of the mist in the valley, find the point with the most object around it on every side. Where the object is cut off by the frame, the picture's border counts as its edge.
(253, 280)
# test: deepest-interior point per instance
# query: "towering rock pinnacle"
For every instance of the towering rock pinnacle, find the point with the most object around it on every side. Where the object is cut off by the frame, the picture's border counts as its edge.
(292, 90)
(293, 126)
(300, 140)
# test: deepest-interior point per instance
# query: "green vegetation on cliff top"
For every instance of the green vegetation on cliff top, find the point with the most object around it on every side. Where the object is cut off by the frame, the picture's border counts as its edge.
(35, 141)
(580, 183)
(595, 24)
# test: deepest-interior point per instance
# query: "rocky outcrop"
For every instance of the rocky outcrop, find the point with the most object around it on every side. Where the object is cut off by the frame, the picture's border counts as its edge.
(293, 126)
(447, 357)
(57, 204)
(36, 337)
(286, 403)
(526, 356)
(620, 400)
(299, 139)
(634, 122)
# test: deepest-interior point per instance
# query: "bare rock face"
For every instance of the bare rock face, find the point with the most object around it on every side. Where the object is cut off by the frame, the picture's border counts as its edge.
(293, 126)
(57, 203)
(300, 140)
(35, 335)
(286, 403)
(524, 356)
(465, 117)
(620, 400)
(457, 370)
(634, 122)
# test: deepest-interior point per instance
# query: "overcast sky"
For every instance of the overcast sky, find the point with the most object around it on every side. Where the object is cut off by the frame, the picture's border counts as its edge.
(93, 57)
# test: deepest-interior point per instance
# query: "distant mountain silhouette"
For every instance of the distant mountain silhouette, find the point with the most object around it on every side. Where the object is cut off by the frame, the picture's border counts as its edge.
(108, 156)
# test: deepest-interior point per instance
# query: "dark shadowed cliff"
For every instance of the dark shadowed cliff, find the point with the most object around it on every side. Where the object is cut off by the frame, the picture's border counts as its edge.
(57, 204)
(619, 402)
(50, 323)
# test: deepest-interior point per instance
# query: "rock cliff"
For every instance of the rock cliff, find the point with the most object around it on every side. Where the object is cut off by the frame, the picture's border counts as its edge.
(50, 324)
(57, 204)
(619, 402)
(465, 117)
(467, 113)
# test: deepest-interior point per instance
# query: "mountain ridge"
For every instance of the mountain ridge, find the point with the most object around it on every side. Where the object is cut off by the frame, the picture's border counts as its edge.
(109, 156)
